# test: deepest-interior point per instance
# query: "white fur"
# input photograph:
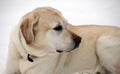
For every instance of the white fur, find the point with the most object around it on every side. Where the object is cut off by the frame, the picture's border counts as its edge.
(98, 51)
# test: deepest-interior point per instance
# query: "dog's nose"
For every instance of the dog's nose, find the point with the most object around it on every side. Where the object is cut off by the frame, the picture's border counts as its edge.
(77, 41)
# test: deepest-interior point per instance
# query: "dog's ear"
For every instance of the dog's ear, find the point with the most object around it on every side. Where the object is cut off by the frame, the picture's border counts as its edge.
(27, 25)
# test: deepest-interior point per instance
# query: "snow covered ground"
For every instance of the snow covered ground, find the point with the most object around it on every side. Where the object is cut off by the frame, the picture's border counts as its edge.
(77, 12)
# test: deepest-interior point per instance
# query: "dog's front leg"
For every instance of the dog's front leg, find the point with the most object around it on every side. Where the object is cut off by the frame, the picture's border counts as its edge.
(12, 65)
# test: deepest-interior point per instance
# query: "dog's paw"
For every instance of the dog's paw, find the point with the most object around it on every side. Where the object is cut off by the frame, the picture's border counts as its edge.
(82, 73)
(105, 72)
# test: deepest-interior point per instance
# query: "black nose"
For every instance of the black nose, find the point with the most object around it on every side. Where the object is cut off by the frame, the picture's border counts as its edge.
(77, 41)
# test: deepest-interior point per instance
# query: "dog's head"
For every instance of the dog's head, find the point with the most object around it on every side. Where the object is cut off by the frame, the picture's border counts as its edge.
(46, 28)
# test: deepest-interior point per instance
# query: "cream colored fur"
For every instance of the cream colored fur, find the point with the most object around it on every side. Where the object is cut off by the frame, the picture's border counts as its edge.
(99, 49)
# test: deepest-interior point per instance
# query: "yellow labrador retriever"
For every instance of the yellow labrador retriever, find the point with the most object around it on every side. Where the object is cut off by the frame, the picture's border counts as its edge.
(45, 43)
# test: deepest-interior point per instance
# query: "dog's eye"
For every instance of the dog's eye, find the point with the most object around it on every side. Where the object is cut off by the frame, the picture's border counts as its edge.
(58, 28)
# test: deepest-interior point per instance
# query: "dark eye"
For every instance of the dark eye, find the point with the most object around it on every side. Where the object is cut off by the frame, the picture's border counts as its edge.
(58, 28)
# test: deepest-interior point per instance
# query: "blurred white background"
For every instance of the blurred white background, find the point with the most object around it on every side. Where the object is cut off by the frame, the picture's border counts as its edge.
(77, 12)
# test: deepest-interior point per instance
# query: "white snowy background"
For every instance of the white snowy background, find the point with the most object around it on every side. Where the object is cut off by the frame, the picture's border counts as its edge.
(77, 12)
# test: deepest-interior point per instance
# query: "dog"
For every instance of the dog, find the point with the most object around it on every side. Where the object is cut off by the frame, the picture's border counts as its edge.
(44, 42)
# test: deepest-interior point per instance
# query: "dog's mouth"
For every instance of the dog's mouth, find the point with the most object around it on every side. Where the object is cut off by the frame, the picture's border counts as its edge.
(77, 42)
(59, 51)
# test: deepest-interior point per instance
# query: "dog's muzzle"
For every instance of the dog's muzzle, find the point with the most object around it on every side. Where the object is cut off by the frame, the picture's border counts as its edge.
(77, 41)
